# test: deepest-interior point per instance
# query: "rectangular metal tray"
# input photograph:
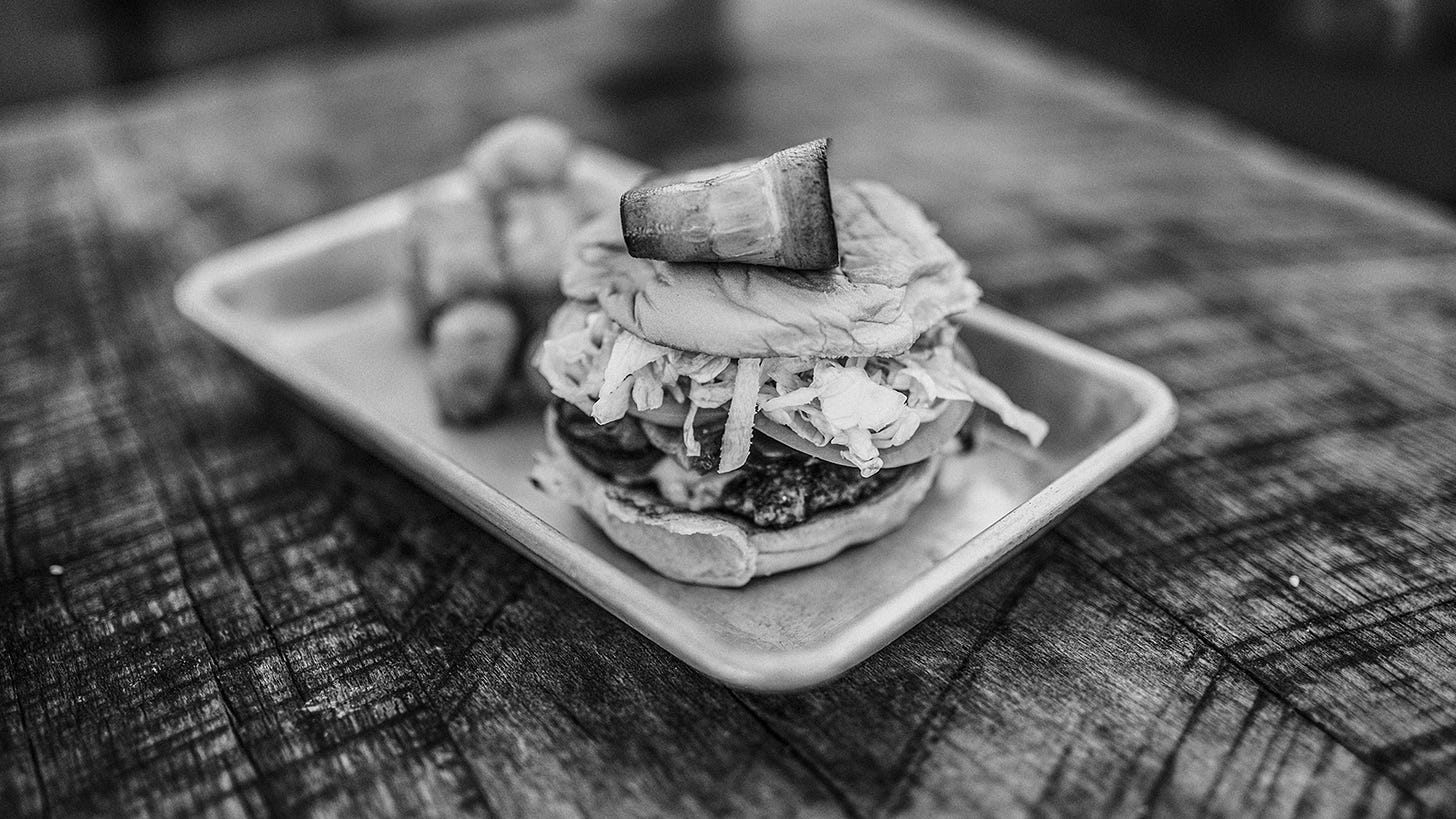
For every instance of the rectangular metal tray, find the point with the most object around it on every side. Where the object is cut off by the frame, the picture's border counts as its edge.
(319, 307)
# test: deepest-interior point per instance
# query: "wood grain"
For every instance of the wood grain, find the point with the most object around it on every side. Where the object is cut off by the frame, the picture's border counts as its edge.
(213, 604)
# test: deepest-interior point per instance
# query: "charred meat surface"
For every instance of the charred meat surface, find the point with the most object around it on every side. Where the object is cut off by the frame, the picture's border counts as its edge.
(618, 449)
(788, 491)
(778, 487)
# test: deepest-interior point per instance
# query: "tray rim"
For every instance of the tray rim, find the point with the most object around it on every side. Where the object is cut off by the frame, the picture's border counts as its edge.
(198, 298)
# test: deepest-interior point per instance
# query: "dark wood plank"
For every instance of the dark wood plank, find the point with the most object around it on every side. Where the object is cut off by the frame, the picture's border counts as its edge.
(251, 617)
(1326, 457)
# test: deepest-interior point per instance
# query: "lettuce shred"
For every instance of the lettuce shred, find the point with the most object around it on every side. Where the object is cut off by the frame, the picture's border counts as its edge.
(862, 404)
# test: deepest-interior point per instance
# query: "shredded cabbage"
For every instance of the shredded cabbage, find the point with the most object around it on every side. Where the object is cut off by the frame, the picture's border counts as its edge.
(738, 431)
(863, 404)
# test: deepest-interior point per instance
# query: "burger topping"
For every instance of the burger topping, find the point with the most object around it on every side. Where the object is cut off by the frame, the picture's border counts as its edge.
(774, 212)
(738, 432)
(669, 440)
(858, 405)
(687, 488)
(617, 448)
(775, 488)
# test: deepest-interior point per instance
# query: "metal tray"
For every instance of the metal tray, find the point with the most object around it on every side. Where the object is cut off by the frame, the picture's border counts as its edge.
(319, 307)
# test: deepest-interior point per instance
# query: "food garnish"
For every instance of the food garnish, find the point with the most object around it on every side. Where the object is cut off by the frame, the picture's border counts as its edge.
(775, 212)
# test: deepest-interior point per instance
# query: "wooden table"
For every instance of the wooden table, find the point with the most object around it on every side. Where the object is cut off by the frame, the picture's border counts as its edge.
(214, 603)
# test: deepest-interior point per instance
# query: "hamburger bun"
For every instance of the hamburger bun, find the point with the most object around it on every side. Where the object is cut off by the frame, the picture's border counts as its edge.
(896, 279)
(720, 549)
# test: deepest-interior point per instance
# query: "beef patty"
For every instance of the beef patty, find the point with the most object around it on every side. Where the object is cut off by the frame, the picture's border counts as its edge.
(776, 488)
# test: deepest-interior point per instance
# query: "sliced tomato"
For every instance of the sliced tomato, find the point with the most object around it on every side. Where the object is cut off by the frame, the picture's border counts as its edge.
(927, 440)
(672, 414)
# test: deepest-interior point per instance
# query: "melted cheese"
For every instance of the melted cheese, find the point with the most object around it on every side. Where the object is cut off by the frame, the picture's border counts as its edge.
(687, 489)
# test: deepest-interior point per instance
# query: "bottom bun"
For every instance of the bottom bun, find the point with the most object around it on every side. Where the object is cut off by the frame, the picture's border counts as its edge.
(721, 549)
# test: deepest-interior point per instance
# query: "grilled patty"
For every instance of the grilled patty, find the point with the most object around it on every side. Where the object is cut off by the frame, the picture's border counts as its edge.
(778, 487)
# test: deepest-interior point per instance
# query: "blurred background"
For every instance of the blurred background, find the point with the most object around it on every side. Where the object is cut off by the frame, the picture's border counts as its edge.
(1368, 83)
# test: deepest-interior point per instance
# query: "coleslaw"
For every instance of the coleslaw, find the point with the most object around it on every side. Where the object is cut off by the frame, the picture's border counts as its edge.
(861, 404)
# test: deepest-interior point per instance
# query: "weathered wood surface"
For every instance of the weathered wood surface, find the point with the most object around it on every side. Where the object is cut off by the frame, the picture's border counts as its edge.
(212, 603)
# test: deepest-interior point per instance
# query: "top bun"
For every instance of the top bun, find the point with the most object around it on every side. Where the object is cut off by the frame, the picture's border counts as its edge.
(896, 278)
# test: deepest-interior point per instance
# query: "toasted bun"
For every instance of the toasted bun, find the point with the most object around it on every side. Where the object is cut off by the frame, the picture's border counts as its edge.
(895, 280)
(720, 549)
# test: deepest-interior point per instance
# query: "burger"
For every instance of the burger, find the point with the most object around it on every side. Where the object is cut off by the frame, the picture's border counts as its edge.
(735, 395)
